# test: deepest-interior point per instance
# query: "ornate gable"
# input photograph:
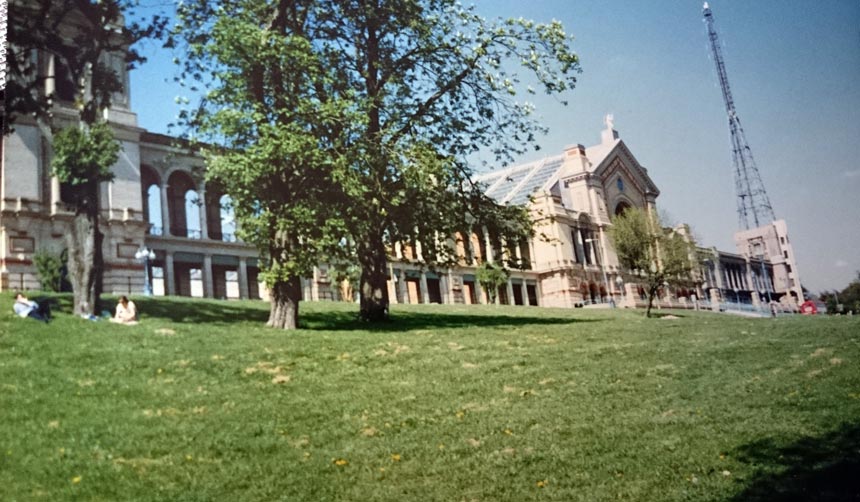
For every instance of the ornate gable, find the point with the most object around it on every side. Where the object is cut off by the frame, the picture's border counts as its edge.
(624, 180)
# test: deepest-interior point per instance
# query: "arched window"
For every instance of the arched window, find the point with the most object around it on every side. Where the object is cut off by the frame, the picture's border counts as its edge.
(228, 219)
(184, 205)
(153, 209)
(150, 185)
(192, 214)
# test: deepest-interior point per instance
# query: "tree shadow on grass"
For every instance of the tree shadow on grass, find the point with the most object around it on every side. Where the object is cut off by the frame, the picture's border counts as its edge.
(413, 321)
(189, 311)
(824, 468)
(226, 313)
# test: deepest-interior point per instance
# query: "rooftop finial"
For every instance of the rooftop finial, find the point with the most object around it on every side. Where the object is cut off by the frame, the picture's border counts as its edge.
(609, 134)
(609, 120)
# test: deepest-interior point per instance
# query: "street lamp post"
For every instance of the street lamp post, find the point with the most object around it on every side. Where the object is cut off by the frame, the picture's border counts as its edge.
(603, 269)
(145, 255)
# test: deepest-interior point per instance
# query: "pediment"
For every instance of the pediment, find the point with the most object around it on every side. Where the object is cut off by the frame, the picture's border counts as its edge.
(619, 161)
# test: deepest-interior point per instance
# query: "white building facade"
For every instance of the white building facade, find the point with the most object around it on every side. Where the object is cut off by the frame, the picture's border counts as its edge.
(159, 200)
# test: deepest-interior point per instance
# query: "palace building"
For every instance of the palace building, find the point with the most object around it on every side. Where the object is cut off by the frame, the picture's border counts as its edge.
(159, 200)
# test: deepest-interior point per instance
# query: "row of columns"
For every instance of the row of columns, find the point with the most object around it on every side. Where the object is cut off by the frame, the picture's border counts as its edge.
(489, 254)
(447, 291)
(735, 279)
(208, 279)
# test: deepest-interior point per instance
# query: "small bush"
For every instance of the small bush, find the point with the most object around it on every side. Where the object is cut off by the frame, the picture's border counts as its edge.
(49, 267)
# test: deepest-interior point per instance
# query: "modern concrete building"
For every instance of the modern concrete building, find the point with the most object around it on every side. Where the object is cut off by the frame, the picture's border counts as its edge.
(771, 243)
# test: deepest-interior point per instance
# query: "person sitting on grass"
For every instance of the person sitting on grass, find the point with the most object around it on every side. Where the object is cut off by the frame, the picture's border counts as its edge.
(25, 307)
(126, 312)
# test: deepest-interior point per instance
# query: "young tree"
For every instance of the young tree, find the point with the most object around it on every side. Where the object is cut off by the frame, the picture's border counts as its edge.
(433, 83)
(491, 277)
(274, 121)
(83, 159)
(60, 50)
(659, 256)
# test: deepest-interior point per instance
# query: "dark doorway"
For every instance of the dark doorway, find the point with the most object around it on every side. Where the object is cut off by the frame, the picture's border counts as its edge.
(531, 290)
(434, 291)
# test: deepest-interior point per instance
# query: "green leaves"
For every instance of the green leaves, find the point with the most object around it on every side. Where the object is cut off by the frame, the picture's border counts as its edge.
(656, 254)
(91, 42)
(84, 156)
(491, 276)
(354, 121)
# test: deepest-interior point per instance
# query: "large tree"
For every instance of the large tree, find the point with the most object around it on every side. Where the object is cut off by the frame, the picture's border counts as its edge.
(397, 94)
(434, 83)
(60, 74)
(659, 256)
(273, 119)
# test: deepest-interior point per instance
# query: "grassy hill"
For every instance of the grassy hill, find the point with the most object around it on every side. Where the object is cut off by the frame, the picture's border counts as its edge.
(200, 402)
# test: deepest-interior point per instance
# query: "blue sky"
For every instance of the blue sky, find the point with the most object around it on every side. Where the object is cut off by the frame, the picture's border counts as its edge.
(794, 66)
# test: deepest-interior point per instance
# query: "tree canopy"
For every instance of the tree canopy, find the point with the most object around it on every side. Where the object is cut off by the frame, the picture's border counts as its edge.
(273, 118)
(81, 36)
(394, 96)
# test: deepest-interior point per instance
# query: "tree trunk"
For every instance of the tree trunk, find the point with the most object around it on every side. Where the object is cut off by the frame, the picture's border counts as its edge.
(373, 259)
(651, 293)
(85, 258)
(286, 295)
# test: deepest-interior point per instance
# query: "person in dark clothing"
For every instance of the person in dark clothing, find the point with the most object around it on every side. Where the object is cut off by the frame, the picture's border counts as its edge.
(25, 307)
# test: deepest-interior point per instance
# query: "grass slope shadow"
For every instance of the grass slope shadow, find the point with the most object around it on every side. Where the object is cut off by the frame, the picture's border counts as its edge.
(821, 469)
(220, 312)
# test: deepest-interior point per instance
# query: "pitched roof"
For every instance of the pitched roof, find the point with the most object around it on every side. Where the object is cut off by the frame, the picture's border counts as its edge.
(514, 185)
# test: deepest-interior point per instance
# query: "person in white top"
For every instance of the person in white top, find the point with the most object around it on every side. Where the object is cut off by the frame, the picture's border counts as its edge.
(24, 307)
(126, 311)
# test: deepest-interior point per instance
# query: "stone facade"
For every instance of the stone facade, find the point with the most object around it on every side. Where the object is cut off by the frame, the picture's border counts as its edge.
(159, 200)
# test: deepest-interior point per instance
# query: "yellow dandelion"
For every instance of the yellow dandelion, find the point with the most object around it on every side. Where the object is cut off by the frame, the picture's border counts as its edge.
(542, 483)
(382, 469)
(188, 458)
(441, 446)
(340, 462)
(461, 414)
(160, 371)
(77, 479)
(395, 457)
(508, 432)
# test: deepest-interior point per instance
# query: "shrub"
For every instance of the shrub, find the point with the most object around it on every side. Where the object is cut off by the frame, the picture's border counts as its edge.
(49, 268)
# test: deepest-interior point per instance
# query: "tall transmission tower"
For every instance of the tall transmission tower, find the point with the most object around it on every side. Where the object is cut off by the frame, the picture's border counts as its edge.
(754, 209)
(4, 15)
(4, 11)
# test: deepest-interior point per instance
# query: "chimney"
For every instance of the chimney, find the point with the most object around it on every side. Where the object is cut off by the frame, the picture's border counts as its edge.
(575, 160)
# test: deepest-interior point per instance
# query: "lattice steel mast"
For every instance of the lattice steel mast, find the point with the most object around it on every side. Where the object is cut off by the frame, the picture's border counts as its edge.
(4, 11)
(754, 209)
(4, 14)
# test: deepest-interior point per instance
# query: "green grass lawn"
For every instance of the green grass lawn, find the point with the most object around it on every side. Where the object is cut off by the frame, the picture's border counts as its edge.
(200, 402)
